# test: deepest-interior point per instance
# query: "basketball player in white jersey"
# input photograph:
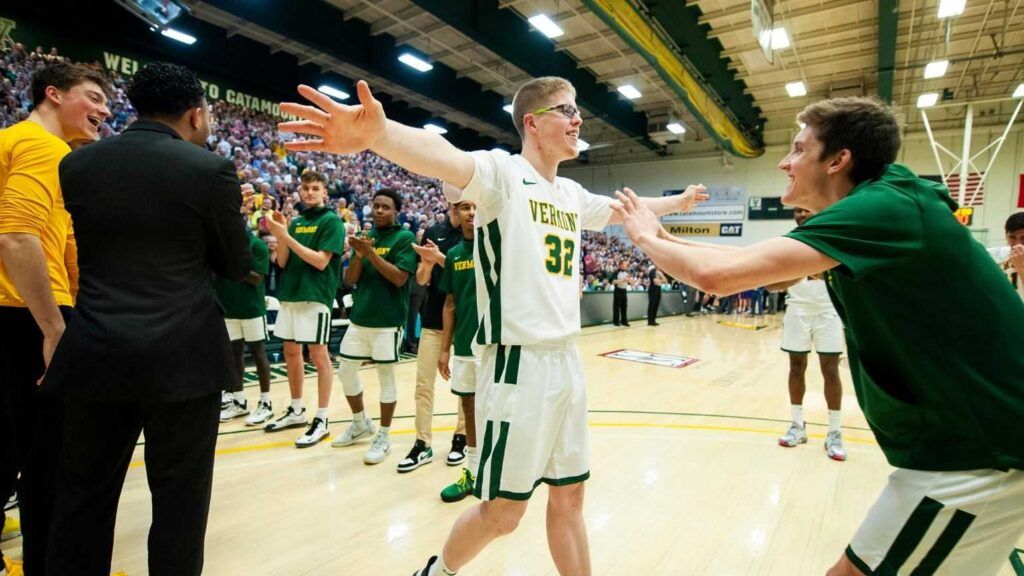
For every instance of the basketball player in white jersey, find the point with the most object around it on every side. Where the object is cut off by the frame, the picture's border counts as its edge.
(1011, 256)
(531, 401)
(811, 319)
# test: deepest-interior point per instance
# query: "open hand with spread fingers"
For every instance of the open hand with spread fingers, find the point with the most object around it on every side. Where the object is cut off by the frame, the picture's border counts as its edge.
(637, 218)
(333, 127)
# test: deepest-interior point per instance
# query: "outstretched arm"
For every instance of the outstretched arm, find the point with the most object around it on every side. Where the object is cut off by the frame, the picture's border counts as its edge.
(716, 271)
(684, 202)
(343, 129)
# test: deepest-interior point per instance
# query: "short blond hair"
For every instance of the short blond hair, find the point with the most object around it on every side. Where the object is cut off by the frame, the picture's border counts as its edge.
(535, 94)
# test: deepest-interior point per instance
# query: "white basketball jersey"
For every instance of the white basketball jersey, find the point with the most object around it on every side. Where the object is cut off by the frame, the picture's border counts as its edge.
(528, 249)
(1000, 254)
(809, 298)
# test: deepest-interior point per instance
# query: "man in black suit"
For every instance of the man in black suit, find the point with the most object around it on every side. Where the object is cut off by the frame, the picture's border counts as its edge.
(155, 215)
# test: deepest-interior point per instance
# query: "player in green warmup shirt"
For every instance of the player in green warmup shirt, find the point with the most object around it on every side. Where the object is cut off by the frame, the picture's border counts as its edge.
(460, 326)
(245, 315)
(309, 252)
(931, 325)
(381, 268)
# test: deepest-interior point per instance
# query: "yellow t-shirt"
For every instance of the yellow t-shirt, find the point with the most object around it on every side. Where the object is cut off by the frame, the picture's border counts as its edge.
(31, 203)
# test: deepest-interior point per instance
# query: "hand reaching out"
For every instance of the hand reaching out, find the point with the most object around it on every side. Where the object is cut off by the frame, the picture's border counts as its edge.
(334, 127)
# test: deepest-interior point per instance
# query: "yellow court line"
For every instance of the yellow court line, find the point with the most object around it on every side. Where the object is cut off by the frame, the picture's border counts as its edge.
(642, 425)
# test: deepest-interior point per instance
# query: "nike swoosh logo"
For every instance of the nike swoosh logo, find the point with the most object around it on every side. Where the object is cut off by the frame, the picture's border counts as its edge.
(527, 182)
(442, 239)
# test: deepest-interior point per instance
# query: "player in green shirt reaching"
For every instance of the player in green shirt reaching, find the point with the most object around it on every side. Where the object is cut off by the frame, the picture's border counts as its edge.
(931, 326)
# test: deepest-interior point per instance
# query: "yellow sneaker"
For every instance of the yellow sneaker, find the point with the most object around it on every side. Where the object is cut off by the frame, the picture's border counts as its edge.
(12, 529)
(13, 567)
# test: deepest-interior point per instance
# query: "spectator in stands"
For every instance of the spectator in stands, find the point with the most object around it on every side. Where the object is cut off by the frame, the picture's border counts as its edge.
(1011, 256)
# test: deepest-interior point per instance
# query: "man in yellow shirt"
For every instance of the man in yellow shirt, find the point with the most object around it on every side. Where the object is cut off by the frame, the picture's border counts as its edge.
(38, 282)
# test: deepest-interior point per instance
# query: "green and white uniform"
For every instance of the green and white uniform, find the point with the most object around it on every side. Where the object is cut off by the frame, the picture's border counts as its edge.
(811, 320)
(245, 306)
(459, 280)
(379, 308)
(306, 294)
(531, 395)
(931, 329)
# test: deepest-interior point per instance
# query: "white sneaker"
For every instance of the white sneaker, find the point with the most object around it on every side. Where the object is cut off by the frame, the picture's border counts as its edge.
(354, 432)
(379, 448)
(290, 419)
(795, 435)
(317, 432)
(225, 400)
(834, 445)
(264, 411)
(234, 410)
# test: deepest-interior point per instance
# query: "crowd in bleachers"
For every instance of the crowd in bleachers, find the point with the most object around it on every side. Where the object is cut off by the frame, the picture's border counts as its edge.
(251, 141)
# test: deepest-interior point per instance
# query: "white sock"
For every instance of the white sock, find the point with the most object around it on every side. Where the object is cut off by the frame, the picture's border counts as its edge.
(265, 397)
(297, 405)
(472, 460)
(440, 568)
(322, 414)
(798, 414)
(385, 430)
(835, 420)
(359, 417)
(240, 397)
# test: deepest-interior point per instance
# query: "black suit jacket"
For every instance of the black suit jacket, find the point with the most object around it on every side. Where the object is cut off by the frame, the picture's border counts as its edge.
(154, 216)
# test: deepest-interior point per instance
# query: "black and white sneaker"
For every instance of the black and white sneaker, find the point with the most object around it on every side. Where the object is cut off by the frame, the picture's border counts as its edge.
(458, 453)
(290, 419)
(426, 570)
(419, 455)
(317, 432)
(12, 502)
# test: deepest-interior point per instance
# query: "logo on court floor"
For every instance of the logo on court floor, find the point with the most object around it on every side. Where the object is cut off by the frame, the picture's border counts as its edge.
(1017, 561)
(666, 360)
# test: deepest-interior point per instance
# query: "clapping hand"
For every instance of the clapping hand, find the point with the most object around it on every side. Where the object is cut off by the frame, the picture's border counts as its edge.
(429, 253)
(1017, 258)
(361, 244)
(277, 224)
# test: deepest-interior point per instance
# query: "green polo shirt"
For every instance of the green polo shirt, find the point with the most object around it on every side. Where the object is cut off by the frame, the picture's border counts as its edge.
(376, 302)
(318, 229)
(932, 326)
(241, 300)
(459, 280)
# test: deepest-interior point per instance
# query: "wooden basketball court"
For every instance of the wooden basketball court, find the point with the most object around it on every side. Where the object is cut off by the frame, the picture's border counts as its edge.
(687, 477)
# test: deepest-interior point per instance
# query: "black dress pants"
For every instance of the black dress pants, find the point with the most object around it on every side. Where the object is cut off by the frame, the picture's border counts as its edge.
(653, 302)
(99, 439)
(619, 307)
(30, 432)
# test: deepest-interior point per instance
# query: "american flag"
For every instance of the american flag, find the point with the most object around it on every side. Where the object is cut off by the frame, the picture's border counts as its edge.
(974, 192)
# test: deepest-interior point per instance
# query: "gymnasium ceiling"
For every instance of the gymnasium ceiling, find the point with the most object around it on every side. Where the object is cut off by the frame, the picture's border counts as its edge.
(710, 73)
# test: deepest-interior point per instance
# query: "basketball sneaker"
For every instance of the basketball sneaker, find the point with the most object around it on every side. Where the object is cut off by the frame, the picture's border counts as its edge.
(458, 453)
(426, 570)
(12, 502)
(264, 411)
(834, 445)
(379, 448)
(356, 430)
(462, 488)
(225, 400)
(317, 431)
(290, 419)
(234, 410)
(795, 435)
(419, 455)
(12, 529)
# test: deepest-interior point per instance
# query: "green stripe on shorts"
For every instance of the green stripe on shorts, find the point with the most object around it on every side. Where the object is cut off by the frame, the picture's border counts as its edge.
(911, 535)
(484, 457)
(944, 545)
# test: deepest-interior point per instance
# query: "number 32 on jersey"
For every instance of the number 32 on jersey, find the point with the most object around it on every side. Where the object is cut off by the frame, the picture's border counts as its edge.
(561, 255)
